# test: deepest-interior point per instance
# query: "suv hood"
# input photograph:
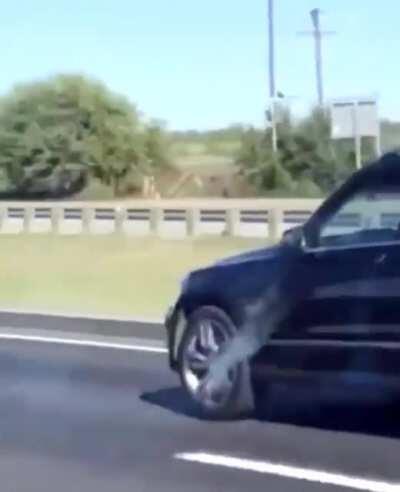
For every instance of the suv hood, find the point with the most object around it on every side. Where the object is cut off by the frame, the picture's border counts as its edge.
(258, 254)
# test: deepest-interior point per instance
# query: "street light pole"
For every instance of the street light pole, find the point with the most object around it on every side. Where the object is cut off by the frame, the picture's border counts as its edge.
(272, 88)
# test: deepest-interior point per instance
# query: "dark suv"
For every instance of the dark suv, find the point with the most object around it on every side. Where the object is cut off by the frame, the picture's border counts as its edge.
(338, 277)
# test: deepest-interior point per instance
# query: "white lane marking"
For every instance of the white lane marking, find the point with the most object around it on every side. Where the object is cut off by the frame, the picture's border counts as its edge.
(286, 471)
(83, 343)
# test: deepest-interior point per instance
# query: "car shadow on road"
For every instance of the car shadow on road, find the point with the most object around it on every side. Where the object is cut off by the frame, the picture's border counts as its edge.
(172, 399)
(354, 408)
(380, 418)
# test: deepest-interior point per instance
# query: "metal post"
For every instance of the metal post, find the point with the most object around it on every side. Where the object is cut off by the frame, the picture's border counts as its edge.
(318, 35)
(274, 134)
(378, 149)
(315, 16)
(120, 217)
(275, 221)
(57, 215)
(357, 136)
(271, 48)
(3, 217)
(88, 216)
(193, 221)
(29, 216)
(156, 220)
(232, 222)
(272, 88)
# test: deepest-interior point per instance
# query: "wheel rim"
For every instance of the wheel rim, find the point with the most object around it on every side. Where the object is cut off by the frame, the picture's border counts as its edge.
(200, 349)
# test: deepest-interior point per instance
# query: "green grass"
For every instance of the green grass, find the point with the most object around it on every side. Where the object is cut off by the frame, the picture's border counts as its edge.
(103, 274)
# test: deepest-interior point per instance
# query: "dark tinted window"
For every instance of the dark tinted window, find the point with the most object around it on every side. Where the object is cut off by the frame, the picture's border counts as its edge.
(366, 218)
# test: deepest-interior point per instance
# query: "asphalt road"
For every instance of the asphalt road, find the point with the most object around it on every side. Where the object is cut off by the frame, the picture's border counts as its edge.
(95, 418)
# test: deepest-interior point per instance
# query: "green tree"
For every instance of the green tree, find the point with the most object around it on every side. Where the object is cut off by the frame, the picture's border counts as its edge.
(307, 162)
(260, 166)
(69, 122)
(156, 147)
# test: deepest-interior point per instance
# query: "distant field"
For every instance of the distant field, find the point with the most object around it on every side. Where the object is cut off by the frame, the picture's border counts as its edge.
(205, 163)
(212, 159)
(216, 148)
(207, 160)
(104, 275)
(204, 154)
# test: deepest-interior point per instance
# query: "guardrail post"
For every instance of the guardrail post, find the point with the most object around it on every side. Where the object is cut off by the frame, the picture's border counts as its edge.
(29, 215)
(121, 214)
(3, 217)
(88, 215)
(57, 216)
(193, 221)
(275, 220)
(156, 220)
(232, 222)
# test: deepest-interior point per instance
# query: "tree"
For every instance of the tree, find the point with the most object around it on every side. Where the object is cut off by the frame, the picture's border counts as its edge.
(307, 162)
(156, 147)
(260, 166)
(70, 123)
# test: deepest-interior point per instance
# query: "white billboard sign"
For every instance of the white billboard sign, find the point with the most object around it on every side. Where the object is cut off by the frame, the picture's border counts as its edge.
(352, 117)
(356, 118)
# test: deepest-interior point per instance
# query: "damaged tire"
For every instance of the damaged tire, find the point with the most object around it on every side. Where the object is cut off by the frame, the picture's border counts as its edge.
(208, 330)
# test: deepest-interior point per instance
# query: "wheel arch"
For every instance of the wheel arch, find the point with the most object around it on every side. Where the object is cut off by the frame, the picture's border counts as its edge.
(190, 303)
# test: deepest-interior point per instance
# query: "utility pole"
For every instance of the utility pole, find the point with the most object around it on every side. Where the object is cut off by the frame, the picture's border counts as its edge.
(318, 35)
(315, 17)
(271, 35)
(272, 87)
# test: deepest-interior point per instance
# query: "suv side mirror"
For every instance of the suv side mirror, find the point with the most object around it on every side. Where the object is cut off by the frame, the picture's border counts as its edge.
(294, 237)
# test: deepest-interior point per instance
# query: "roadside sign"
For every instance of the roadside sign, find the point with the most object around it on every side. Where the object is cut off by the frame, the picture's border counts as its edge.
(342, 115)
(355, 118)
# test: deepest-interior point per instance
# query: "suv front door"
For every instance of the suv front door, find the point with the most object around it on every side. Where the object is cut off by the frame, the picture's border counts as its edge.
(342, 279)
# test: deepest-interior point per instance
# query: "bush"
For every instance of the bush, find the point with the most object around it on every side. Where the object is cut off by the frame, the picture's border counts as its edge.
(307, 162)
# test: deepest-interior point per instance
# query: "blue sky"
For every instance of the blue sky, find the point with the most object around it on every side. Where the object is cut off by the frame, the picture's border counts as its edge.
(203, 64)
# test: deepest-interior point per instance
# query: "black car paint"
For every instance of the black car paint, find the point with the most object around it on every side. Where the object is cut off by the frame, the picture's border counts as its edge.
(346, 318)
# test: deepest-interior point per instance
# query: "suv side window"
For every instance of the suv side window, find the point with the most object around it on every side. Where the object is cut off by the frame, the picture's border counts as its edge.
(368, 217)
